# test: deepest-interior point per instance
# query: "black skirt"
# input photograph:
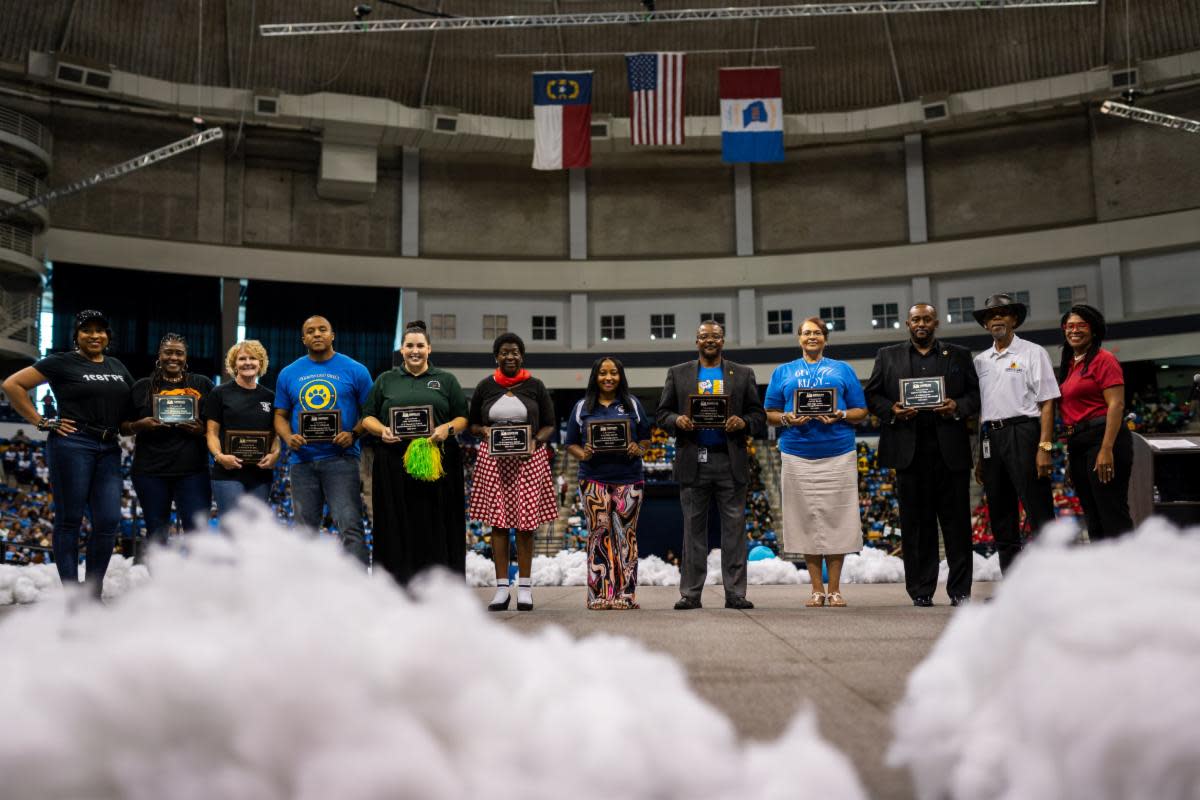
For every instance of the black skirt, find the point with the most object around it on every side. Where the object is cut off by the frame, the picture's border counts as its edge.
(418, 524)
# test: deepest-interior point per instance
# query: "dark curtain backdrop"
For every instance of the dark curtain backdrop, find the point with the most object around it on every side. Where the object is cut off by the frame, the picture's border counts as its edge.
(363, 320)
(141, 307)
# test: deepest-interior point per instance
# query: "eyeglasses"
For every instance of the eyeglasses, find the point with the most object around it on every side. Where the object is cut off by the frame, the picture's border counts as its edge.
(1076, 326)
(715, 338)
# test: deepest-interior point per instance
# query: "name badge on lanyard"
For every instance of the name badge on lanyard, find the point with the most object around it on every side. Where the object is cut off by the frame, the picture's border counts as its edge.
(702, 455)
(986, 445)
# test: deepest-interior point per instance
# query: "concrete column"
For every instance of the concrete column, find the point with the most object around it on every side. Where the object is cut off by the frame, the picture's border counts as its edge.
(747, 307)
(577, 213)
(1112, 291)
(579, 321)
(210, 195)
(231, 295)
(743, 207)
(235, 187)
(410, 307)
(410, 204)
(914, 180)
(922, 291)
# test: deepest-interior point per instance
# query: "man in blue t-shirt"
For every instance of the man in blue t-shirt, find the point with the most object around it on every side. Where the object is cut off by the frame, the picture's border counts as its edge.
(712, 463)
(326, 471)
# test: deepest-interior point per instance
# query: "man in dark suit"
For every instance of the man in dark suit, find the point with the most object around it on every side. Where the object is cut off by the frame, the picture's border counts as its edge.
(712, 463)
(930, 449)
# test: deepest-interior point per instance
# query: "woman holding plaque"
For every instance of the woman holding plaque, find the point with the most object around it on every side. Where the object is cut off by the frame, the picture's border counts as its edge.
(1099, 446)
(608, 432)
(819, 475)
(419, 521)
(170, 457)
(240, 426)
(512, 491)
(83, 450)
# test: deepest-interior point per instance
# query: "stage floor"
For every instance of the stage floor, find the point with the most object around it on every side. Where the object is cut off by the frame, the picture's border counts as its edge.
(761, 666)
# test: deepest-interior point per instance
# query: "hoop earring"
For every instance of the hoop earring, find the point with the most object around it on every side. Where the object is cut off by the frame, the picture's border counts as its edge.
(158, 363)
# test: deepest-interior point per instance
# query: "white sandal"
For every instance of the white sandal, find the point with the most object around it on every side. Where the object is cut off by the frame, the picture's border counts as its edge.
(817, 600)
(836, 601)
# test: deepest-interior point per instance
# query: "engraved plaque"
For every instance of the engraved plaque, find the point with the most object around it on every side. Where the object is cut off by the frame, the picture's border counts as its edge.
(249, 446)
(815, 402)
(408, 422)
(174, 409)
(708, 410)
(922, 392)
(609, 435)
(320, 426)
(510, 440)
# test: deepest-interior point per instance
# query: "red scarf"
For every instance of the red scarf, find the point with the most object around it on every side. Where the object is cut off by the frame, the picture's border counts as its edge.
(507, 382)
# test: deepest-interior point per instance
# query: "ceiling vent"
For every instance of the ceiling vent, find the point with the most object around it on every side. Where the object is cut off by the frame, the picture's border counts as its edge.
(1124, 78)
(82, 72)
(445, 123)
(935, 107)
(266, 105)
(601, 129)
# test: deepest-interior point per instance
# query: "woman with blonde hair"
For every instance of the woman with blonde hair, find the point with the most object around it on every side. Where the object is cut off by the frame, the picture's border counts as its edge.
(242, 405)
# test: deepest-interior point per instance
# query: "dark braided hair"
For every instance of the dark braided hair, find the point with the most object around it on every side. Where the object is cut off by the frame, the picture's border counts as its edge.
(158, 376)
(1095, 321)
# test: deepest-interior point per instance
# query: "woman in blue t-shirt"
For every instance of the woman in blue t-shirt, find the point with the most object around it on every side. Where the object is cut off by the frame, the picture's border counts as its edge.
(610, 484)
(819, 473)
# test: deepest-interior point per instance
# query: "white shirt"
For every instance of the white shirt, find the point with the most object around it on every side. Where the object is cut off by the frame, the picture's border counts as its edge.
(1013, 381)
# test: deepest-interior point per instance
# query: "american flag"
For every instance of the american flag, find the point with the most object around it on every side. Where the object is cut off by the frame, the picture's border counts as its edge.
(656, 97)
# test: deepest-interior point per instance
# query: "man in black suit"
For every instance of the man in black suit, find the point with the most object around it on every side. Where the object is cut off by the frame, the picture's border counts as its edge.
(930, 449)
(712, 463)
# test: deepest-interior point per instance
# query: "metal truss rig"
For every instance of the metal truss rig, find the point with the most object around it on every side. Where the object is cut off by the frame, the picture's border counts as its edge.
(124, 168)
(631, 17)
(1152, 117)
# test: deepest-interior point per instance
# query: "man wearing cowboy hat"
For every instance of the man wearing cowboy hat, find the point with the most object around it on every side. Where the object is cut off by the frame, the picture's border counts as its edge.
(1017, 389)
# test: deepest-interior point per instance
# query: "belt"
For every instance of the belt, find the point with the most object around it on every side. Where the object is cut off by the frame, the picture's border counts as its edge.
(100, 432)
(997, 424)
(1071, 430)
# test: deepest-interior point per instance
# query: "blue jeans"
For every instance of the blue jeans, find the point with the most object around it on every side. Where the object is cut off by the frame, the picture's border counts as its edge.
(192, 496)
(84, 472)
(227, 494)
(334, 481)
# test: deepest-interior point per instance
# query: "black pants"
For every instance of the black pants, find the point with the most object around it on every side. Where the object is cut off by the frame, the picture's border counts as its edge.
(1010, 477)
(932, 493)
(1105, 505)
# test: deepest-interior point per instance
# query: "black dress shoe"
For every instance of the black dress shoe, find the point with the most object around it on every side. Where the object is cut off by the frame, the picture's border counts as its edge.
(923, 601)
(500, 606)
(686, 604)
(738, 602)
(525, 606)
(960, 599)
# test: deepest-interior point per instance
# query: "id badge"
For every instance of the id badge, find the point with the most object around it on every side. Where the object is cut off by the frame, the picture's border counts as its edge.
(702, 455)
(987, 448)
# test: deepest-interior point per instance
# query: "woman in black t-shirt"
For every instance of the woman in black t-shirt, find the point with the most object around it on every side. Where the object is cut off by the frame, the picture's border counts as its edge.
(241, 405)
(82, 451)
(170, 460)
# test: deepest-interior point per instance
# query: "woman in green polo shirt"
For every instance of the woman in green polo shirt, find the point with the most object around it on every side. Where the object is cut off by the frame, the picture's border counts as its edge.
(418, 523)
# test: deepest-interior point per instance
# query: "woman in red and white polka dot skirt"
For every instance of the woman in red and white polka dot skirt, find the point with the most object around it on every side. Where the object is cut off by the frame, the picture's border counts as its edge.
(512, 491)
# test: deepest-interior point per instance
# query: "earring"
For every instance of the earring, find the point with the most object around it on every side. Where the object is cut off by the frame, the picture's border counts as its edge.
(158, 363)
(185, 366)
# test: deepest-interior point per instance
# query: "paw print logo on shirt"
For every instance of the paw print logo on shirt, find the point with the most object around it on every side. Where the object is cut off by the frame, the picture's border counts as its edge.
(318, 395)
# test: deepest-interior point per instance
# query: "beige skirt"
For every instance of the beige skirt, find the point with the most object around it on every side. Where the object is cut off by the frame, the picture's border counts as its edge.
(820, 505)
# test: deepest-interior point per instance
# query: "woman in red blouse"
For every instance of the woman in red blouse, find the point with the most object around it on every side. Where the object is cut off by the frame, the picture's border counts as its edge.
(1099, 446)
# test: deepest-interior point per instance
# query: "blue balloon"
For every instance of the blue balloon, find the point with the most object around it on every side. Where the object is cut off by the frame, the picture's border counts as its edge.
(760, 552)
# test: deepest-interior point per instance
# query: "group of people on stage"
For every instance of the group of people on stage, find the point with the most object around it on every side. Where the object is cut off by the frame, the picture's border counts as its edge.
(414, 493)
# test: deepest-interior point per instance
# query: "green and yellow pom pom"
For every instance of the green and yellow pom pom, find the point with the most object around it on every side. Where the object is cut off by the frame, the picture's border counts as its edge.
(423, 460)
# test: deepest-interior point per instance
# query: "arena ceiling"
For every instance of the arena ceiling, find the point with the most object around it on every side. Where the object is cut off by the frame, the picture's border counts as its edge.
(857, 61)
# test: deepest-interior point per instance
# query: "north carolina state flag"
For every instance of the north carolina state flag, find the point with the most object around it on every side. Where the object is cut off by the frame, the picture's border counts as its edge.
(562, 120)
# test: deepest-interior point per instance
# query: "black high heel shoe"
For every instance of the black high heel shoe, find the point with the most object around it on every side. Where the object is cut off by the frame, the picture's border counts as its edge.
(502, 606)
(525, 606)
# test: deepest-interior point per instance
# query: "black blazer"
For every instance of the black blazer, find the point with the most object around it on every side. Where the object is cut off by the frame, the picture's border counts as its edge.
(744, 402)
(898, 438)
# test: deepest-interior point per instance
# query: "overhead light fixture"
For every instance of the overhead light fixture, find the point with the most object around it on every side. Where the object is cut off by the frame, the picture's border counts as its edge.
(1152, 117)
(630, 17)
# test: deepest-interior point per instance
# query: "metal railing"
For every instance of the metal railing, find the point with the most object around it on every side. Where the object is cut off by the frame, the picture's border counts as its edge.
(16, 239)
(20, 316)
(21, 182)
(27, 128)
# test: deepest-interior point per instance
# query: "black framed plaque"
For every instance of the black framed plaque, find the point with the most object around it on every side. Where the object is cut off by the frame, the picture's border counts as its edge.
(174, 409)
(410, 422)
(708, 410)
(609, 435)
(510, 440)
(922, 392)
(815, 402)
(320, 426)
(249, 446)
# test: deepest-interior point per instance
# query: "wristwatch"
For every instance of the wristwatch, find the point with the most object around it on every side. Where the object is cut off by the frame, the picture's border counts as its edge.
(1046, 446)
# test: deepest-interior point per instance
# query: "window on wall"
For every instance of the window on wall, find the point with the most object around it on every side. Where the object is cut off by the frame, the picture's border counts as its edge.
(443, 326)
(715, 316)
(834, 316)
(885, 315)
(958, 309)
(612, 326)
(494, 325)
(1070, 296)
(662, 326)
(1021, 297)
(545, 328)
(779, 322)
